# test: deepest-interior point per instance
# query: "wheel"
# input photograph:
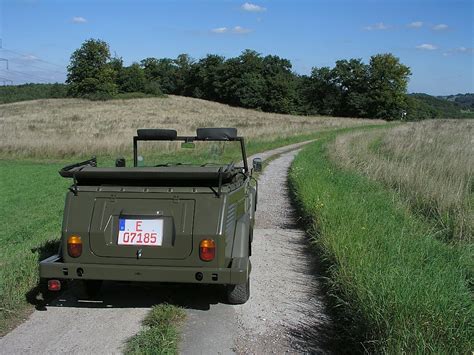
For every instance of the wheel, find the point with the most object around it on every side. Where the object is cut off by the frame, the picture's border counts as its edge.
(92, 288)
(43, 296)
(40, 296)
(238, 294)
(250, 241)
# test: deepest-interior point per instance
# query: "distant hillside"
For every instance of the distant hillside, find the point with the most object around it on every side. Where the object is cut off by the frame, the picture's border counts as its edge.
(465, 100)
(422, 106)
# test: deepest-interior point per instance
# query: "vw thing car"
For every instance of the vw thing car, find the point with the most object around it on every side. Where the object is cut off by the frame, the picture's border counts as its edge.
(183, 213)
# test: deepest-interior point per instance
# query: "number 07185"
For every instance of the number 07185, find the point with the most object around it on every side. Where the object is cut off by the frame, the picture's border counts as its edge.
(140, 232)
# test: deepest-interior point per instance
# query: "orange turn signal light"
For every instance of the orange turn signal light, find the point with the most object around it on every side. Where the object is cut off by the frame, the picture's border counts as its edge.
(74, 246)
(207, 250)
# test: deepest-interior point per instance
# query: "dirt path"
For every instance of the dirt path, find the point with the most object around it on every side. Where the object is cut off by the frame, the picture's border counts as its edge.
(285, 312)
(284, 299)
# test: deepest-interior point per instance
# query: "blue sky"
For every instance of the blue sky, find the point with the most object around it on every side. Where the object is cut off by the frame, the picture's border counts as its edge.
(434, 37)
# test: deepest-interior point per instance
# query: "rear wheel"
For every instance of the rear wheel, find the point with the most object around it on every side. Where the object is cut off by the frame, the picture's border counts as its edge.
(250, 241)
(43, 296)
(92, 288)
(238, 294)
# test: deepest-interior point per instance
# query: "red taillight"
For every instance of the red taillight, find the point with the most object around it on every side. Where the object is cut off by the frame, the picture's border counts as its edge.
(54, 285)
(207, 250)
(74, 246)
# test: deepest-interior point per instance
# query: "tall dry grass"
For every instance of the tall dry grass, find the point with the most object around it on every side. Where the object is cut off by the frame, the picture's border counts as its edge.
(431, 164)
(71, 127)
(399, 290)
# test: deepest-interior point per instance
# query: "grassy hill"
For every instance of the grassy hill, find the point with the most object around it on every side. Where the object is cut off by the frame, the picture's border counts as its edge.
(62, 128)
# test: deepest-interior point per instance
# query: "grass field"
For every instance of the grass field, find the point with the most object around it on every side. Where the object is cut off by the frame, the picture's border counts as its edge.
(33, 192)
(63, 128)
(430, 164)
(399, 288)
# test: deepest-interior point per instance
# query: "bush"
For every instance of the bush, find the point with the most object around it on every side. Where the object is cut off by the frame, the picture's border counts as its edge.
(153, 88)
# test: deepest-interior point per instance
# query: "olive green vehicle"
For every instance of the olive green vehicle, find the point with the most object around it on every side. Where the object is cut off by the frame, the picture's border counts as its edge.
(174, 221)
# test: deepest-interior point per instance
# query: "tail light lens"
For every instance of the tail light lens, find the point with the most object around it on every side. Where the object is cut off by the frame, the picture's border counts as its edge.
(54, 285)
(74, 246)
(207, 250)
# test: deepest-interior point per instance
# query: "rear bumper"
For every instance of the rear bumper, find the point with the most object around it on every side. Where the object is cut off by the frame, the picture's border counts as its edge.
(54, 268)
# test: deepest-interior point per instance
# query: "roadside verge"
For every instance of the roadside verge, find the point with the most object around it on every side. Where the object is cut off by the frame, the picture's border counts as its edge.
(400, 289)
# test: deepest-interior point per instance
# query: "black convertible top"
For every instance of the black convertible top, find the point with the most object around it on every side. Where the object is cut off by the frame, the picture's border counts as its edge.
(149, 173)
(89, 174)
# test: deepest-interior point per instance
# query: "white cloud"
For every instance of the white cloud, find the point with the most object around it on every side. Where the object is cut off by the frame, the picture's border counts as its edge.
(252, 7)
(459, 50)
(427, 47)
(440, 27)
(464, 50)
(241, 30)
(79, 19)
(380, 26)
(29, 57)
(415, 24)
(238, 30)
(220, 30)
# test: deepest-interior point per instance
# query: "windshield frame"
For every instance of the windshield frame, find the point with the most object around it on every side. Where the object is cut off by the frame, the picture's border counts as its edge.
(191, 139)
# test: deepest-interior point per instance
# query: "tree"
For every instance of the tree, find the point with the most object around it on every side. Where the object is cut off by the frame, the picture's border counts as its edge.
(388, 85)
(418, 109)
(116, 64)
(131, 79)
(319, 93)
(162, 71)
(351, 77)
(242, 81)
(280, 85)
(89, 71)
(206, 77)
(183, 64)
(353, 88)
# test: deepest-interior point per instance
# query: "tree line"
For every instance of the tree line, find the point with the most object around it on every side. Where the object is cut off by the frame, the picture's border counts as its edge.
(351, 88)
(15, 93)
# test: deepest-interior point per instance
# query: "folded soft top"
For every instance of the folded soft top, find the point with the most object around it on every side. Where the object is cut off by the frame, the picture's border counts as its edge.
(90, 174)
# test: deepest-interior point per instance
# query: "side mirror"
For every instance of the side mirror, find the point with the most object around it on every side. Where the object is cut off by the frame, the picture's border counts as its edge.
(257, 164)
(120, 162)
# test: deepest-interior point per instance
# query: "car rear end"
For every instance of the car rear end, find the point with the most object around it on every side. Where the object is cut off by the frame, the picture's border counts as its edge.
(149, 234)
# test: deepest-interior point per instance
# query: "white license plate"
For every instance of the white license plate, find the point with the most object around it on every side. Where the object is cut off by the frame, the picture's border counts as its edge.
(140, 232)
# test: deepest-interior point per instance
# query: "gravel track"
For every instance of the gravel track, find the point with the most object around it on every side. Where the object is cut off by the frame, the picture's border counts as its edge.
(285, 304)
(286, 310)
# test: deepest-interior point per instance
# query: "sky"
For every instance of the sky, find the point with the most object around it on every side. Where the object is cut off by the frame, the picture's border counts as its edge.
(435, 38)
